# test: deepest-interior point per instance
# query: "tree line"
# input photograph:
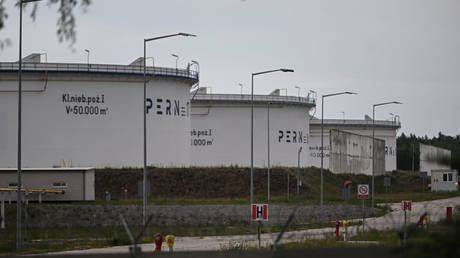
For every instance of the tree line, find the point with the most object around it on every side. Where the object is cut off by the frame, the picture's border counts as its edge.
(408, 154)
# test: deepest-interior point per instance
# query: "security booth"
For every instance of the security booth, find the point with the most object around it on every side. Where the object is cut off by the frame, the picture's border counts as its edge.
(443, 180)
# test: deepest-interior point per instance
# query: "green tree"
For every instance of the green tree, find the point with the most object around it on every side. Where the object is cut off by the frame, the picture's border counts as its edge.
(404, 145)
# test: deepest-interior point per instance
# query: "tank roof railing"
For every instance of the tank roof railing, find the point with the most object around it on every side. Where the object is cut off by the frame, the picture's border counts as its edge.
(99, 68)
(355, 122)
(257, 98)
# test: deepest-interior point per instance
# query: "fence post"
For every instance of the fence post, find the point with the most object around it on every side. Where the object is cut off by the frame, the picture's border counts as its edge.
(3, 214)
(449, 214)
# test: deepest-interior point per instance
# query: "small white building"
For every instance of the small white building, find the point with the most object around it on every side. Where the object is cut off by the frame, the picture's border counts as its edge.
(444, 180)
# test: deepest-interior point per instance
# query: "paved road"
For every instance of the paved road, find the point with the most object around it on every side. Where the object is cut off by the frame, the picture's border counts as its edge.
(436, 211)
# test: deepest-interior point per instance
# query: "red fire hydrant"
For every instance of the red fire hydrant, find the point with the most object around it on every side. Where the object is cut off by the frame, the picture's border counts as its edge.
(158, 239)
(337, 229)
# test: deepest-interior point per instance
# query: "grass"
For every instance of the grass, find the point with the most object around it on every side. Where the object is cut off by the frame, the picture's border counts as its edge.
(405, 187)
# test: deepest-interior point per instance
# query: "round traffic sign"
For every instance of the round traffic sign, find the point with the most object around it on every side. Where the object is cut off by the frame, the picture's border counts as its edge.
(363, 189)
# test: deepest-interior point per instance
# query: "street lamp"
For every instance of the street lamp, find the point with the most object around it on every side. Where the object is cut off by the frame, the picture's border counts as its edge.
(87, 56)
(373, 141)
(298, 91)
(144, 184)
(252, 124)
(18, 200)
(298, 171)
(177, 58)
(322, 145)
(241, 87)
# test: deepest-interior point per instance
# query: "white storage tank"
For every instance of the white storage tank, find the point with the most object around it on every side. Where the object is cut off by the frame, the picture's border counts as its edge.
(221, 130)
(92, 115)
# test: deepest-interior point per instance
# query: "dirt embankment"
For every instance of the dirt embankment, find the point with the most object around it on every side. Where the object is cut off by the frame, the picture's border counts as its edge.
(233, 182)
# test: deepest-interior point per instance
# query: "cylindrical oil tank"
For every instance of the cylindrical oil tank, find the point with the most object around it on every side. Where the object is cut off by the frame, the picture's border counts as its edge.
(92, 115)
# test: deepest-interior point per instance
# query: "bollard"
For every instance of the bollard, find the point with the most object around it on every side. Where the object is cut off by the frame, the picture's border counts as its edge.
(345, 226)
(449, 214)
(337, 229)
(158, 239)
(170, 242)
(426, 223)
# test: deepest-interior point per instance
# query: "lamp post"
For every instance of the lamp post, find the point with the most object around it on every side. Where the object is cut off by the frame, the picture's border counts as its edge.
(87, 56)
(298, 171)
(177, 58)
(241, 88)
(252, 123)
(298, 91)
(373, 142)
(268, 151)
(18, 201)
(322, 146)
(144, 184)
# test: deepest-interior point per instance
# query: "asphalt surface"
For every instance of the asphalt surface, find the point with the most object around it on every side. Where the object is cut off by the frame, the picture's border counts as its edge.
(436, 210)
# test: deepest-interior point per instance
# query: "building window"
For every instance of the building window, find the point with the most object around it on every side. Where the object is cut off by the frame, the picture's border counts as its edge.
(60, 184)
(444, 177)
(450, 177)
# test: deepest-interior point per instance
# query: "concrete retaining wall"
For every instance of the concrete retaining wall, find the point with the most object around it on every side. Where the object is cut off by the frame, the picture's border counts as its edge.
(62, 216)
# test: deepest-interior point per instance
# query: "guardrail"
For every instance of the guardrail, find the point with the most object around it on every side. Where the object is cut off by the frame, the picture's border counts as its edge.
(257, 98)
(354, 122)
(101, 68)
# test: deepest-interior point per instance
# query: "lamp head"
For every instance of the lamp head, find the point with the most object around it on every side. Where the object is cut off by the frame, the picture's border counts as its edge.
(186, 34)
(284, 70)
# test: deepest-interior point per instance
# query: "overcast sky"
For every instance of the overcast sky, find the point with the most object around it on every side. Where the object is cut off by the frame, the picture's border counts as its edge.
(404, 50)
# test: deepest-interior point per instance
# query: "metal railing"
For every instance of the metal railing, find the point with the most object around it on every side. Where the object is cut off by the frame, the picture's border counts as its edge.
(257, 98)
(100, 68)
(355, 122)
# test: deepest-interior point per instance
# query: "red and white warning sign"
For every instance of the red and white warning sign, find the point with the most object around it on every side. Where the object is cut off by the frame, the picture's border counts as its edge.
(259, 212)
(363, 191)
(406, 205)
